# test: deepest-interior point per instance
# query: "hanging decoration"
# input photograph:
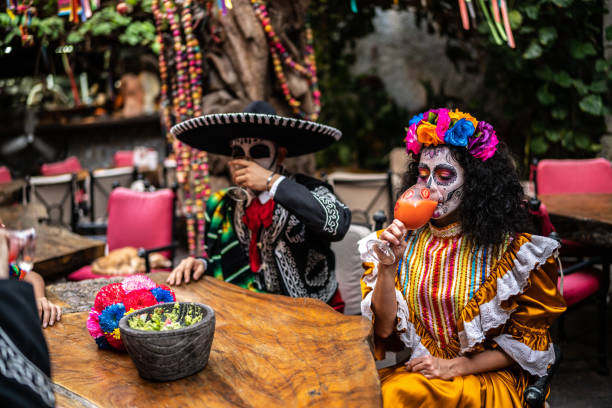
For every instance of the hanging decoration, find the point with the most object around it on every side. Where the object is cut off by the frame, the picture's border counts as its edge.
(181, 100)
(23, 12)
(498, 25)
(280, 57)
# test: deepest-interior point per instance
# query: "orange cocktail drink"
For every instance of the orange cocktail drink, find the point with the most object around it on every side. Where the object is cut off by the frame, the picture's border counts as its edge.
(415, 207)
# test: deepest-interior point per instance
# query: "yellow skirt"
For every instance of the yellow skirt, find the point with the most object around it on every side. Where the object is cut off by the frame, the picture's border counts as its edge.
(503, 388)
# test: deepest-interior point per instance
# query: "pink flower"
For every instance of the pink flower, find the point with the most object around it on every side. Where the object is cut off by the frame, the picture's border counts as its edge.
(483, 144)
(136, 282)
(442, 121)
(412, 144)
(93, 324)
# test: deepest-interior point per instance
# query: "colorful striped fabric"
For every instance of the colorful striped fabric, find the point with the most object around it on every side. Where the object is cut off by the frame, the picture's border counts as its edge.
(227, 260)
(440, 273)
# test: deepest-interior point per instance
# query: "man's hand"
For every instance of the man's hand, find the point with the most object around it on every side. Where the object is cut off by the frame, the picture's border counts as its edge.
(250, 175)
(184, 271)
(48, 312)
(433, 367)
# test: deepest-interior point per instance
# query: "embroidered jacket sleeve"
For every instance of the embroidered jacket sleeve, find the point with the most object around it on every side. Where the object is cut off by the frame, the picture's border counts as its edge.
(24, 377)
(314, 203)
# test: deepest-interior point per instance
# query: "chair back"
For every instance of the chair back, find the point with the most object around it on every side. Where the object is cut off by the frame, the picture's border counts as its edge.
(101, 183)
(123, 158)
(56, 194)
(574, 176)
(398, 164)
(141, 220)
(364, 194)
(349, 268)
(70, 165)
(5, 175)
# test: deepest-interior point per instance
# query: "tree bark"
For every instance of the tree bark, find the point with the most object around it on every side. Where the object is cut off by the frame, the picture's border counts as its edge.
(238, 67)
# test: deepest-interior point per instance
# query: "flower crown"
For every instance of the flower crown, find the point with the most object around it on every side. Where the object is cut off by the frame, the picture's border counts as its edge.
(115, 300)
(441, 126)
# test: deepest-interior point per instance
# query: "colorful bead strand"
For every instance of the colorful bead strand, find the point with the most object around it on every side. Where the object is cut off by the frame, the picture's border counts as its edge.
(280, 56)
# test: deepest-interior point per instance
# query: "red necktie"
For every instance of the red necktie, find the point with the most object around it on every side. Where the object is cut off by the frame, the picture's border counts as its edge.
(257, 215)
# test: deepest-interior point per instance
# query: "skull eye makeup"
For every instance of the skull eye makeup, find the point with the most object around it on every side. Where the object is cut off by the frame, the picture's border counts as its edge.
(445, 174)
(259, 151)
(423, 173)
(238, 152)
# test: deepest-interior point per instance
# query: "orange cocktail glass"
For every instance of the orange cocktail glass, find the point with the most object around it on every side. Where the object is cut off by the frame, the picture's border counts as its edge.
(414, 209)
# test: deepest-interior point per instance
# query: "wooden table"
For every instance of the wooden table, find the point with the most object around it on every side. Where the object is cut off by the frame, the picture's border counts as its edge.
(58, 251)
(268, 351)
(586, 218)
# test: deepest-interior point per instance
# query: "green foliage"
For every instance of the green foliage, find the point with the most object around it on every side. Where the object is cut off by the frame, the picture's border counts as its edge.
(134, 29)
(555, 85)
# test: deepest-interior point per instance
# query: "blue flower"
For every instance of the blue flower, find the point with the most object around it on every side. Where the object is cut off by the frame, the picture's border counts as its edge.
(162, 295)
(416, 119)
(103, 343)
(110, 316)
(458, 135)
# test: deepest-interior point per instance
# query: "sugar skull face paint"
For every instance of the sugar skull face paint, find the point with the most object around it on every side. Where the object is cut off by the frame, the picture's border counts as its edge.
(439, 171)
(262, 152)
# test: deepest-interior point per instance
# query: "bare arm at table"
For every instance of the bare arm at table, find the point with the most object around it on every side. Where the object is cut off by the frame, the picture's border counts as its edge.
(48, 312)
(384, 305)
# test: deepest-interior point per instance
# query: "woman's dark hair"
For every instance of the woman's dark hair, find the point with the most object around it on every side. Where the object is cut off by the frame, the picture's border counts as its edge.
(492, 202)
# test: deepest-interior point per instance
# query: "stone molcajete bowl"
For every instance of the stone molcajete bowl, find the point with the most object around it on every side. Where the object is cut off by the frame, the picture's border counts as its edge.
(171, 354)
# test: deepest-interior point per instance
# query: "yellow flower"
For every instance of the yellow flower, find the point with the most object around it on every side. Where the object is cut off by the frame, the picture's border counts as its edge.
(116, 334)
(456, 115)
(426, 134)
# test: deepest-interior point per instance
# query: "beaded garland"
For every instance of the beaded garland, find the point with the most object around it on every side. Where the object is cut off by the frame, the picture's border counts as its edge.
(181, 102)
(280, 56)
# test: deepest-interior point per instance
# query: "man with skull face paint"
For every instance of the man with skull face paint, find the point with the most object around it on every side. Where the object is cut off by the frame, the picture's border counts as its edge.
(279, 239)
(470, 294)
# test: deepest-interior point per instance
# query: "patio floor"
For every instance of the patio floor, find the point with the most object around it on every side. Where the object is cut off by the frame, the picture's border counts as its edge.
(577, 384)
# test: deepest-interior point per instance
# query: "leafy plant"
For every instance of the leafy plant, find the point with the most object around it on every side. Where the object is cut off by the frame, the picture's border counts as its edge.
(134, 29)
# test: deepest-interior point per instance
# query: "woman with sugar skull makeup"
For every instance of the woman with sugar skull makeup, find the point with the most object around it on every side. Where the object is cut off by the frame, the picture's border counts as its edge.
(470, 294)
(278, 240)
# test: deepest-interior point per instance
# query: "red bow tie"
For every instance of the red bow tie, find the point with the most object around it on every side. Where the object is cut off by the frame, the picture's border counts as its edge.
(257, 215)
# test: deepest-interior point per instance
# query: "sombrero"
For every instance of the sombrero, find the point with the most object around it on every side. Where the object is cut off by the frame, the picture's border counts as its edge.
(213, 133)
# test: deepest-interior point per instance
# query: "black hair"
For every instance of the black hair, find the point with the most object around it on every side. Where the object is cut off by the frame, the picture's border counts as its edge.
(492, 199)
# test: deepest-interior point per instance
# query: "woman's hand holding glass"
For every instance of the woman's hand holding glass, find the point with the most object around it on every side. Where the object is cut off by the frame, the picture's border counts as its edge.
(412, 210)
(393, 242)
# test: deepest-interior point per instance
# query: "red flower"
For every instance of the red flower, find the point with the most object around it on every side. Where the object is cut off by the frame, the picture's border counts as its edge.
(117, 344)
(138, 299)
(108, 295)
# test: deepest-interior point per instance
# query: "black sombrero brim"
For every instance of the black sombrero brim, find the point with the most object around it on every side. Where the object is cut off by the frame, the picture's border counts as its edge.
(213, 133)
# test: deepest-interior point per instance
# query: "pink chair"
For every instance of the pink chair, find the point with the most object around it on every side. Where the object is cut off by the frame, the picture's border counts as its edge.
(574, 176)
(123, 158)
(5, 175)
(141, 220)
(70, 165)
(583, 176)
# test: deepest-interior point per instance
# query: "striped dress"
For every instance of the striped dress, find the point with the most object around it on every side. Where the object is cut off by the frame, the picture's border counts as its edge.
(440, 273)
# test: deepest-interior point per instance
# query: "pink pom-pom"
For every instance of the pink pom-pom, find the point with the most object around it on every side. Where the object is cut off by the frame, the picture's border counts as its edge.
(136, 282)
(108, 295)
